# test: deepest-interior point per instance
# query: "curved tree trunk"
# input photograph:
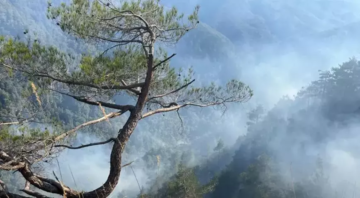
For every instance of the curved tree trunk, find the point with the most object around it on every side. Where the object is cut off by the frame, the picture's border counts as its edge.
(115, 160)
(124, 134)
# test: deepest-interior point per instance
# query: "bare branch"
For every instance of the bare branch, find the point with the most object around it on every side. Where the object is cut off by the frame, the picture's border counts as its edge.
(42, 183)
(32, 193)
(27, 185)
(110, 48)
(181, 121)
(59, 188)
(46, 184)
(139, 28)
(173, 106)
(132, 90)
(12, 166)
(163, 61)
(127, 164)
(19, 120)
(163, 110)
(121, 41)
(87, 145)
(174, 91)
(96, 103)
(108, 116)
(9, 123)
(5, 157)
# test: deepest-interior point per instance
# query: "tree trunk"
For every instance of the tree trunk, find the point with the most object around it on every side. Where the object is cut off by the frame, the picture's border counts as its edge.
(115, 161)
(124, 134)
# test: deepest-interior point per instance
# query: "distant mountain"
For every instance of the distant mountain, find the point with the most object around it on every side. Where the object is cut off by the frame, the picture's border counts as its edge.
(235, 38)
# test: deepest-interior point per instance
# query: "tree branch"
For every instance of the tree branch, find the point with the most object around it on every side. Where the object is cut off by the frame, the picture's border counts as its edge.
(72, 82)
(32, 193)
(127, 30)
(42, 183)
(5, 157)
(162, 110)
(110, 48)
(96, 103)
(132, 90)
(123, 42)
(20, 120)
(127, 13)
(87, 145)
(163, 61)
(173, 106)
(174, 91)
(9, 123)
(46, 184)
(181, 121)
(125, 165)
(110, 115)
(12, 166)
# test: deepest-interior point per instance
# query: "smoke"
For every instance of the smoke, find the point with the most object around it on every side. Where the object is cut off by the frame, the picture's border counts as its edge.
(344, 162)
(298, 134)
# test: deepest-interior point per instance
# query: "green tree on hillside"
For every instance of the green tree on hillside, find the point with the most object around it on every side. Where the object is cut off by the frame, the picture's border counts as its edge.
(184, 184)
(134, 65)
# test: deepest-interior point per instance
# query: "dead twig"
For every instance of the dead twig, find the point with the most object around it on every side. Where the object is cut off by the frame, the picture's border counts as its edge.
(86, 145)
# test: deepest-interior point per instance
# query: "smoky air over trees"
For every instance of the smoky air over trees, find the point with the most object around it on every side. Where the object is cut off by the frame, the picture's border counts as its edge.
(295, 134)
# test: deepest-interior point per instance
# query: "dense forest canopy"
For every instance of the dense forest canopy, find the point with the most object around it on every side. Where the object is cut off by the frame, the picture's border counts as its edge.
(70, 68)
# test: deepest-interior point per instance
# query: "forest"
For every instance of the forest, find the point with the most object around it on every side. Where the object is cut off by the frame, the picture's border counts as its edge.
(158, 99)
